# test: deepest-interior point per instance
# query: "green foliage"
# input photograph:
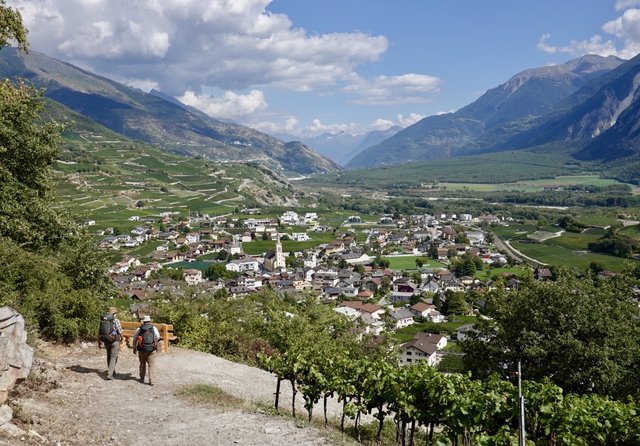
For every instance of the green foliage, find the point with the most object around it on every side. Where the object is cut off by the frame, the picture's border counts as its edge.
(616, 245)
(49, 270)
(219, 271)
(581, 333)
(568, 223)
(11, 27)
(56, 302)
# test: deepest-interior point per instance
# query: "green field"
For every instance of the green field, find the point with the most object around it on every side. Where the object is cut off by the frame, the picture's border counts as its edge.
(259, 247)
(558, 255)
(504, 167)
(488, 273)
(409, 262)
(407, 333)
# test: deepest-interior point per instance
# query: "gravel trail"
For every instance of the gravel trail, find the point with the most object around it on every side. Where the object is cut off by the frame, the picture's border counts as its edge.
(88, 409)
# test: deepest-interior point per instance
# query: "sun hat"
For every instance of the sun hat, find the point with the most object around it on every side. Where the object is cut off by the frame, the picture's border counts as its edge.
(147, 318)
(112, 310)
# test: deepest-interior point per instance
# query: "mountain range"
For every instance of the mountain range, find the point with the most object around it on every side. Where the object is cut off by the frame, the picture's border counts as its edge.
(588, 106)
(157, 118)
(342, 146)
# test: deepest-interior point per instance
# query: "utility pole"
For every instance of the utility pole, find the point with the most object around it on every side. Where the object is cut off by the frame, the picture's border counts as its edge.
(521, 408)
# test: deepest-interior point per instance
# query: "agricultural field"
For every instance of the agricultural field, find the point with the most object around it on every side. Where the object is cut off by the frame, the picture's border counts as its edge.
(501, 168)
(259, 247)
(554, 254)
(530, 185)
(112, 182)
(489, 273)
(409, 262)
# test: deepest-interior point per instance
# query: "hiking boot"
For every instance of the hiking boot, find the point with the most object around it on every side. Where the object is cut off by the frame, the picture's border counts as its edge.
(150, 384)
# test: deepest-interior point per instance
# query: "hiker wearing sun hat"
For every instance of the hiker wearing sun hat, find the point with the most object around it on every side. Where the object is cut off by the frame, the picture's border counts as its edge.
(110, 335)
(145, 345)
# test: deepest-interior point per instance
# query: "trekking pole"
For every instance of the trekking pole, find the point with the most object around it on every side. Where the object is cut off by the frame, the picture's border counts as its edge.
(521, 408)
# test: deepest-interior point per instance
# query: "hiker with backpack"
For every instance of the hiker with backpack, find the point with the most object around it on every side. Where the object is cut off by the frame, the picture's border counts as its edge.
(145, 344)
(110, 335)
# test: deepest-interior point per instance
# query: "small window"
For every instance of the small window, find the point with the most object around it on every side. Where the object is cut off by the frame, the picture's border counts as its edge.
(408, 359)
(409, 353)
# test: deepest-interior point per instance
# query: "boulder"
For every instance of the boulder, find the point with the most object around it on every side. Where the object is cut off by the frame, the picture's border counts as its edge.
(15, 355)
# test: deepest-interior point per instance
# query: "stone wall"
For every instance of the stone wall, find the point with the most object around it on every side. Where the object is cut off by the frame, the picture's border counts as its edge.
(15, 358)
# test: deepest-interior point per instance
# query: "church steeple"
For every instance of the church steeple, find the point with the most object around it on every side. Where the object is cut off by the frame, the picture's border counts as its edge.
(279, 261)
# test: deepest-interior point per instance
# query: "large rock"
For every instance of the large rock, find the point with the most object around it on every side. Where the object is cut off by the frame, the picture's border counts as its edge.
(15, 355)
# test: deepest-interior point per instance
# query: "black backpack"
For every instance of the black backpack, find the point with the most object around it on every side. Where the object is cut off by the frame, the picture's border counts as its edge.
(146, 338)
(108, 328)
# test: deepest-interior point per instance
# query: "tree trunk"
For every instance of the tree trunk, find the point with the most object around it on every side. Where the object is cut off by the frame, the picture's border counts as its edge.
(412, 432)
(278, 393)
(310, 413)
(431, 426)
(344, 404)
(326, 421)
(404, 433)
(293, 398)
(380, 425)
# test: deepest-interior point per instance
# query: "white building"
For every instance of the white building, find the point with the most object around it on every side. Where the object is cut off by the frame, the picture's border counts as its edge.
(243, 265)
(290, 218)
(423, 347)
(192, 276)
(300, 236)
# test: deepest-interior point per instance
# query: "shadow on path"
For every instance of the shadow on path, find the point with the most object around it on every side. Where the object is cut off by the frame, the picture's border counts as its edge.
(102, 373)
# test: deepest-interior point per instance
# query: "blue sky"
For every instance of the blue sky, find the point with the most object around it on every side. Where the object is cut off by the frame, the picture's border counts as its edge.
(310, 66)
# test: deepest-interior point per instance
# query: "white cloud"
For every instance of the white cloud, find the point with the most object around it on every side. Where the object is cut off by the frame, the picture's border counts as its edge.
(621, 5)
(410, 119)
(143, 84)
(318, 127)
(229, 105)
(401, 120)
(267, 127)
(542, 44)
(625, 28)
(381, 125)
(186, 44)
(290, 124)
(406, 88)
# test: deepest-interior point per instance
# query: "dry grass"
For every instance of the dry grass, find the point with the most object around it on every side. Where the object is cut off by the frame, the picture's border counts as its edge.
(208, 394)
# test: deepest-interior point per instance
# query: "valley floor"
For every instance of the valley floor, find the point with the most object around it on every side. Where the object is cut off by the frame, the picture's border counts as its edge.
(84, 408)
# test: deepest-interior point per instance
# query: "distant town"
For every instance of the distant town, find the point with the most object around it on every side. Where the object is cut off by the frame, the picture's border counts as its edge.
(351, 271)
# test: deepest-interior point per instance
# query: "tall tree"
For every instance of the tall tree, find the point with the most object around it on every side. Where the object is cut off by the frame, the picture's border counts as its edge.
(581, 334)
(11, 27)
(49, 270)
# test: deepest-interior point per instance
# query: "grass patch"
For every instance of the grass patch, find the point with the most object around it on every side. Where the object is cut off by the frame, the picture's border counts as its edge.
(407, 333)
(409, 262)
(559, 255)
(208, 394)
(573, 241)
(489, 273)
(451, 364)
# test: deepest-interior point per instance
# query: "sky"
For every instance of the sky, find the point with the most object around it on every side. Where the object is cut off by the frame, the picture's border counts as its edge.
(305, 67)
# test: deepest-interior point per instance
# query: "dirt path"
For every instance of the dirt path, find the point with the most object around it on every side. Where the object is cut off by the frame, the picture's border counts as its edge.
(87, 409)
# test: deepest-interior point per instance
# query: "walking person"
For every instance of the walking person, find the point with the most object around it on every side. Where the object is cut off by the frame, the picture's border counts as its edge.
(110, 335)
(145, 345)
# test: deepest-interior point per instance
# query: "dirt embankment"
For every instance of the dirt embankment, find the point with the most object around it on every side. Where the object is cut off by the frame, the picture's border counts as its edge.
(68, 401)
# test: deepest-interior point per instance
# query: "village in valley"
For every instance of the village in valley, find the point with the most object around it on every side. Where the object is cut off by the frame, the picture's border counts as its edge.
(355, 270)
